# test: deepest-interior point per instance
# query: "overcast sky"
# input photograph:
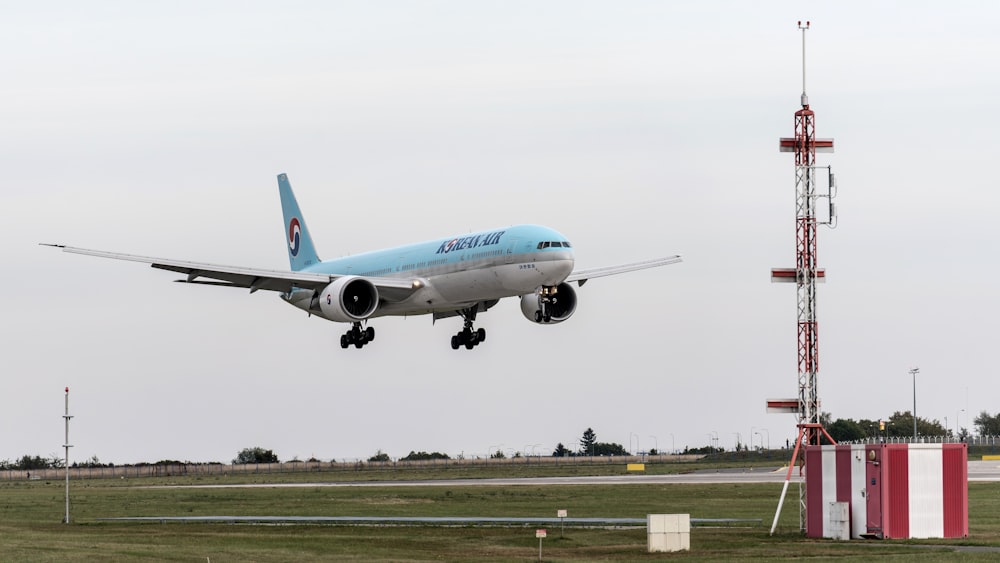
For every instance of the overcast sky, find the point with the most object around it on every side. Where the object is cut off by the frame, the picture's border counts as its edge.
(638, 130)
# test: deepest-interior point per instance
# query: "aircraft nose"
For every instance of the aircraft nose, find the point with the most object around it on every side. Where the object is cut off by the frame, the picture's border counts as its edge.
(561, 266)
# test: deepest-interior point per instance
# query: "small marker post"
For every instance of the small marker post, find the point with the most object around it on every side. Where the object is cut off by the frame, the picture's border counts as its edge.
(540, 534)
(561, 514)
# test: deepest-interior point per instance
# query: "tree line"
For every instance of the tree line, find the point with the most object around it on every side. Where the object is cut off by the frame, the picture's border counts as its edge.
(899, 425)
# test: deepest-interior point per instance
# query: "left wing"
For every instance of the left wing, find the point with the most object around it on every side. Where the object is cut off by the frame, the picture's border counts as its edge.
(583, 275)
(251, 278)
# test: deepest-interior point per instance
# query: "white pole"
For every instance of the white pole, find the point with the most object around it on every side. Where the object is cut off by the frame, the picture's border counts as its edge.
(67, 446)
(781, 501)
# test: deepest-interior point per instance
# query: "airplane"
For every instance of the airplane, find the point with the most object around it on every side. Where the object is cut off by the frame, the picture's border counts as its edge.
(459, 275)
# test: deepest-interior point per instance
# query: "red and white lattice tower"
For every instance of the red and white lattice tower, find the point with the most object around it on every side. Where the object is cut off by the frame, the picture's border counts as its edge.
(806, 273)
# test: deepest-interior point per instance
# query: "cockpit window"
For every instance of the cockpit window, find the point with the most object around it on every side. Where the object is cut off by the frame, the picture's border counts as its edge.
(553, 244)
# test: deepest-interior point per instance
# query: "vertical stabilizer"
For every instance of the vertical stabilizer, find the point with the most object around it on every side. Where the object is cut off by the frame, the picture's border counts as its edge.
(301, 252)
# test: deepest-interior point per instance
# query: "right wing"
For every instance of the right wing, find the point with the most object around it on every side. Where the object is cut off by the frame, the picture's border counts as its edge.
(583, 275)
(251, 278)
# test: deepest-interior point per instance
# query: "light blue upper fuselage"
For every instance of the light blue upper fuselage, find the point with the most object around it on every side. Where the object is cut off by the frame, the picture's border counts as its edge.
(460, 270)
(423, 258)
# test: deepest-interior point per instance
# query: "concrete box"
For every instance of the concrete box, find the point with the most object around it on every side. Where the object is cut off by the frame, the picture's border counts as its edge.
(668, 532)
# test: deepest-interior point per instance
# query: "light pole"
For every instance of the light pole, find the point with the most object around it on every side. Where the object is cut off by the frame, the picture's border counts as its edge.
(672, 447)
(630, 434)
(768, 438)
(914, 372)
(656, 445)
(739, 438)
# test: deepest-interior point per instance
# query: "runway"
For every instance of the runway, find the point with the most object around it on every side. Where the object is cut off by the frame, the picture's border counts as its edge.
(983, 471)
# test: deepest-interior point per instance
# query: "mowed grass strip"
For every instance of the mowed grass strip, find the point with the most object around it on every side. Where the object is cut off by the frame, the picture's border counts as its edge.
(31, 512)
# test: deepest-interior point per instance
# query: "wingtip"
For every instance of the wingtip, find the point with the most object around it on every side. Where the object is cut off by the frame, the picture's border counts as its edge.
(52, 244)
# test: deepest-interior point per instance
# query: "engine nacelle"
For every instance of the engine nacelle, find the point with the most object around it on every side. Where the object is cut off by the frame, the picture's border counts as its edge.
(561, 308)
(348, 299)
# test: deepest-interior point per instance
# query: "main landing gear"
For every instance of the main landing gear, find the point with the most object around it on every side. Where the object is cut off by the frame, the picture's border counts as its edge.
(357, 336)
(469, 337)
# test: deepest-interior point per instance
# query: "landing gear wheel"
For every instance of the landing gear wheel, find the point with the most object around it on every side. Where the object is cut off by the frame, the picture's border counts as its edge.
(469, 336)
(357, 336)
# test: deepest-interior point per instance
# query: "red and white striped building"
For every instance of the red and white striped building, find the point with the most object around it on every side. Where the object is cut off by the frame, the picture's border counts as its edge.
(892, 490)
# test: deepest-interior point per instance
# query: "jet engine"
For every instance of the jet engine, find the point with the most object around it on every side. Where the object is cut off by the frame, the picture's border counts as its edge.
(348, 299)
(560, 306)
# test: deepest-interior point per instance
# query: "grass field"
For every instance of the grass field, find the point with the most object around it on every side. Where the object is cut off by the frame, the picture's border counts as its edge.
(31, 528)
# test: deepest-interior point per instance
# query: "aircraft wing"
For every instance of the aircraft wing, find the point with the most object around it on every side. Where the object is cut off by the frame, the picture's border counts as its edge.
(583, 275)
(250, 278)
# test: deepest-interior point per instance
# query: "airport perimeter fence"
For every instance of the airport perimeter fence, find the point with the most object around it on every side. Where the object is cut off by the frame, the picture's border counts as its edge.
(977, 444)
(333, 467)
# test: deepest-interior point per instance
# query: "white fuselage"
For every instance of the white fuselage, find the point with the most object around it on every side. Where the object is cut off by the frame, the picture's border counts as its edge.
(457, 273)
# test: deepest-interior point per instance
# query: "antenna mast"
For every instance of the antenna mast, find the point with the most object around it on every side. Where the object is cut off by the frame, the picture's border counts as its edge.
(805, 99)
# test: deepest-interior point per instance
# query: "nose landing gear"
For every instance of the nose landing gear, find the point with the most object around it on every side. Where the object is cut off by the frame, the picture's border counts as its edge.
(547, 299)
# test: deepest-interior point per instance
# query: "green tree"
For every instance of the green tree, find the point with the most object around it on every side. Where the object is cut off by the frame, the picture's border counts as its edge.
(561, 451)
(900, 424)
(845, 430)
(92, 462)
(379, 456)
(421, 456)
(987, 425)
(498, 455)
(602, 448)
(255, 455)
(36, 462)
(870, 428)
(587, 442)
